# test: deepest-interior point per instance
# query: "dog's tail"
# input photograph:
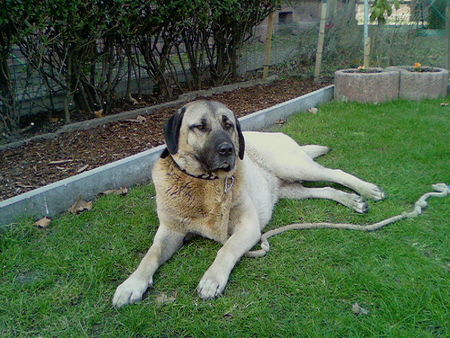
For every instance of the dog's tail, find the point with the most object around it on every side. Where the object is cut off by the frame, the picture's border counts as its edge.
(314, 150)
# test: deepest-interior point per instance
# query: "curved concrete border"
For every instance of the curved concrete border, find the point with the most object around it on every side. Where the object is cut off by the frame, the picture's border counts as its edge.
(422, 85)
(381, 86)
(57, 197)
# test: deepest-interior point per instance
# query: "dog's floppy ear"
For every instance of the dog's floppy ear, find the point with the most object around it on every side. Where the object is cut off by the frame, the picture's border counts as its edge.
(172, 131)
(241, 140)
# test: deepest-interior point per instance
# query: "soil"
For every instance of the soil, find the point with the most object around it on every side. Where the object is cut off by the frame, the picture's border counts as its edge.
(366, 70)
(422, 70)
(39, 163)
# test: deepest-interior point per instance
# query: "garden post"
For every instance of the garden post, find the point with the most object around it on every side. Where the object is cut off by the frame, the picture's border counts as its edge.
(367, 53)
(366, 34)
(323, 19)
(448, 35)
(268, 49)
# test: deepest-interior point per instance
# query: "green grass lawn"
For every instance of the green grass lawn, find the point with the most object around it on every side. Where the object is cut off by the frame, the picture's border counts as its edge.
(60, 281)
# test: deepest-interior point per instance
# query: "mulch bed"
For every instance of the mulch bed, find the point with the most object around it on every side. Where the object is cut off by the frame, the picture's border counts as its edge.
(39, 163)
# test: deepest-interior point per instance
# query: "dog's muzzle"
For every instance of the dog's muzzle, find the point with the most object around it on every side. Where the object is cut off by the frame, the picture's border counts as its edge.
(220, 152)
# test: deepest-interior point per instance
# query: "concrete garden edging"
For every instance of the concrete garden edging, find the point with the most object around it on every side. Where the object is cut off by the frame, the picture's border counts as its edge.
(57, 197)
(422, 85)
(363, 86)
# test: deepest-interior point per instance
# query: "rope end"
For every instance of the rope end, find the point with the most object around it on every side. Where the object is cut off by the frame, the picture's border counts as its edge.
(441, 187)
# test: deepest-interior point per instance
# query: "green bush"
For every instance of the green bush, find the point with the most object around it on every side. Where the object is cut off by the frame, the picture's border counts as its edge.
(10, 33)
(85, 48)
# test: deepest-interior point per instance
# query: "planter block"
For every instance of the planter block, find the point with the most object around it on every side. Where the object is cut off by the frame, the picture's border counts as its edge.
(422, 85)
(366, 87)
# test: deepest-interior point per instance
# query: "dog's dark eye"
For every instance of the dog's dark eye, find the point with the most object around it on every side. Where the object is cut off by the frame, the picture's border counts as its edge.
(201, 127)
(226, 122)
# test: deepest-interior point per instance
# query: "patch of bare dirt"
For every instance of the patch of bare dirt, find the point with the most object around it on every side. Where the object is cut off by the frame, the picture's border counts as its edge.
(42, 162)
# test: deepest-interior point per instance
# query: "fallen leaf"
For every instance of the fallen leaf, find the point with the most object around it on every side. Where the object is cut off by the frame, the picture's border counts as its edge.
(83, 168)
(60, 161)
(120, 191)
(313, 110)
(79, 206)
(54, 119)
(138, 119)
(141, 119)
(43, 222)
(163, 299)
(99, 113)
(358, 310)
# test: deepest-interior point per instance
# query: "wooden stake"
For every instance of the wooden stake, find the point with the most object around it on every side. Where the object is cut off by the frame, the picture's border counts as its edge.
(367, 53)
(268, 49)
(366, 39)
(323, 19)
(448, 35)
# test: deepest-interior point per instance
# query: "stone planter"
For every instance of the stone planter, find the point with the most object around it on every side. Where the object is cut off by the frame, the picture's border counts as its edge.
(422, 85)
(373, 85)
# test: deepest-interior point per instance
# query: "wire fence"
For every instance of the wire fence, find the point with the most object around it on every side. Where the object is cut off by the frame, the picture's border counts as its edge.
(403, 40)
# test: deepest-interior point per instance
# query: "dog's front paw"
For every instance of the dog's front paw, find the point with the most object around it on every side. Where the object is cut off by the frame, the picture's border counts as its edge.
(211, 285)
(130, 291)
(357, 203)
(375, 192)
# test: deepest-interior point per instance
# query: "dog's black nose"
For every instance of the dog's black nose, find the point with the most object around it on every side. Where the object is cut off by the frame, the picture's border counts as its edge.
(225, 149)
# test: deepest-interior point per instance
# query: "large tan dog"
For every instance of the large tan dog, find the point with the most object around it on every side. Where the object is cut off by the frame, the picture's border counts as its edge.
(217, 182)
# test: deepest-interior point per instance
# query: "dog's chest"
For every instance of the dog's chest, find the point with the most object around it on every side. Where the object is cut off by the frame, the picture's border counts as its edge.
(193, 205)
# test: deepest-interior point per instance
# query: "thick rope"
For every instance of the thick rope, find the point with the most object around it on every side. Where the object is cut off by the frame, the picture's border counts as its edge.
(441, 190)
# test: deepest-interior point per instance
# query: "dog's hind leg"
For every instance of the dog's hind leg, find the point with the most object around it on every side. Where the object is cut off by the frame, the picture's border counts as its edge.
(316, 172)
(282, 156)
(314, 150)
(299, 192)
(301, 168)
(313, 171)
